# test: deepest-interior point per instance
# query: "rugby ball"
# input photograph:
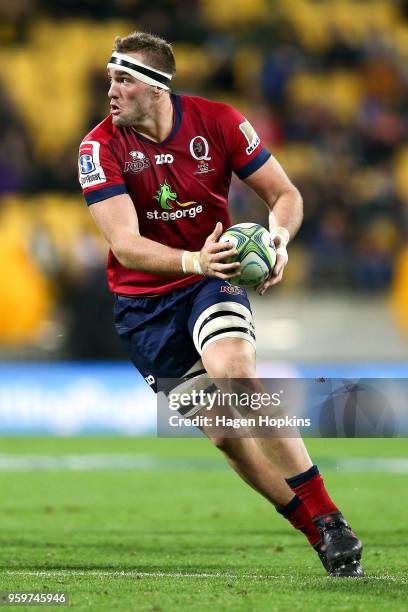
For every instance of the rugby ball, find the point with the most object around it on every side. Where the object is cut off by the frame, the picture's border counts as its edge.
(256, 253)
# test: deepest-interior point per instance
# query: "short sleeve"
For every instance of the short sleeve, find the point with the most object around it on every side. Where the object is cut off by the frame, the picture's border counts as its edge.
(245, 149)
(100, 174)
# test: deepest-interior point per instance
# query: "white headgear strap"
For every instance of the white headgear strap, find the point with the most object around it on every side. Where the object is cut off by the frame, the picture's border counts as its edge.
(147, 74)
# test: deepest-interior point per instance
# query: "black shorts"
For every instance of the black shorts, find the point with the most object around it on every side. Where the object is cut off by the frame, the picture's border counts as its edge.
(165, 335)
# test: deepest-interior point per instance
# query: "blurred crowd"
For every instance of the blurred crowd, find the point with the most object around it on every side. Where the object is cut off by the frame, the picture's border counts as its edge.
(324, 82)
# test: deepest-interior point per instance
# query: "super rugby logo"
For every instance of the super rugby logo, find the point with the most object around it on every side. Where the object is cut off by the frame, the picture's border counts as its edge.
(90, 169)
(166, 197)
(86, 164)
(139, 162)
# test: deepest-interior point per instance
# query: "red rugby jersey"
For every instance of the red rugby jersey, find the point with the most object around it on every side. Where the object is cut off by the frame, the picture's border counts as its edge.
(179, 187)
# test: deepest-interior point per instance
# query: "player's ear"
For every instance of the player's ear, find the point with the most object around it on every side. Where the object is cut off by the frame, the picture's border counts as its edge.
(157, 92)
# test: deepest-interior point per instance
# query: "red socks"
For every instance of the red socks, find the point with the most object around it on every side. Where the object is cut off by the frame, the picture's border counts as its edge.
(309, 487)
(298, 515)
(310, 502)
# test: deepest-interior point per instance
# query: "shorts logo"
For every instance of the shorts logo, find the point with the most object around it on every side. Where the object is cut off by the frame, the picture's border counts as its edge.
(231, 289)
(199, 148)
(139, 162)
(166, 196)
(90, 169)
(251, 136)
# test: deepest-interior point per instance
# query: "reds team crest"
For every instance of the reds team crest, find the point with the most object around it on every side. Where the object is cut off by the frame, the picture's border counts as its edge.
(139, 162)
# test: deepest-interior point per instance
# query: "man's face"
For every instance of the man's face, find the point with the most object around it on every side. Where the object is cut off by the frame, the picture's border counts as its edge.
(130, 99)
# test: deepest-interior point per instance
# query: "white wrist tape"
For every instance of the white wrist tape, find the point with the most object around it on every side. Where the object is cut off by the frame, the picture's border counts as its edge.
(284, 235)
(183, 261)
(190, 262)
(197, 263)
(281, 250)
(282, 232)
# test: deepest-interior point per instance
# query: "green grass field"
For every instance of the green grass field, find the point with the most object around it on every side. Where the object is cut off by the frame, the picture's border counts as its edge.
(161, 525)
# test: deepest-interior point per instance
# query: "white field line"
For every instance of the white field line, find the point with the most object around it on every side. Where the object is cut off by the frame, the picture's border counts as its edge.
(95, 462)
(88, 462)
(136, 574)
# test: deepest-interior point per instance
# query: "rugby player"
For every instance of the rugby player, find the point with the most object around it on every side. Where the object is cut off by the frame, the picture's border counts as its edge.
(156, 174)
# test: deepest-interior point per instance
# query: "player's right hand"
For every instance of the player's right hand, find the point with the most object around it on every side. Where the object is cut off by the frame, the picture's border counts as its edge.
(214, 253)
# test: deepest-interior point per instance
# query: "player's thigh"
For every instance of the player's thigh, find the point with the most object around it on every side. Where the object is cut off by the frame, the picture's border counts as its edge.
(222, 329)
(155, 334)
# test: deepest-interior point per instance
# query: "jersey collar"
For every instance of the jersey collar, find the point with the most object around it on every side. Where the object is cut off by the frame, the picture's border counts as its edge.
(175, 99)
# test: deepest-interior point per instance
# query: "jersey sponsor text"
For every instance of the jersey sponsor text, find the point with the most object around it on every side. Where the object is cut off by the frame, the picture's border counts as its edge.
(163, 215)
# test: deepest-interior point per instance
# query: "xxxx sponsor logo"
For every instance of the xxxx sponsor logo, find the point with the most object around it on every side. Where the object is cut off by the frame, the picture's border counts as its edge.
(167, 198)
(251, 136)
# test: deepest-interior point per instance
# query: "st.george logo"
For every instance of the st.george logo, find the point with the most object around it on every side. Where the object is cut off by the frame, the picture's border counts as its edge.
(167, 197)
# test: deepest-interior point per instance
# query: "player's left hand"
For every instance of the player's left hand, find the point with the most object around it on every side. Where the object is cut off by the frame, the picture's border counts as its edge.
(277, 273)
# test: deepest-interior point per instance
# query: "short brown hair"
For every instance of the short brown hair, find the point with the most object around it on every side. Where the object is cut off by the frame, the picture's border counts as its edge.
(157, 52)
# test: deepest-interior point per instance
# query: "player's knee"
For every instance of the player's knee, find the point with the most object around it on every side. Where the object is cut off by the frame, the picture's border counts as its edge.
(235, 367)
(232, 369)
(230, 359)
(239, 367)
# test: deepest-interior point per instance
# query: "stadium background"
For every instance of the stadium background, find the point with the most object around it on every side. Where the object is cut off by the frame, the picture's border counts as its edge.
(131, 520)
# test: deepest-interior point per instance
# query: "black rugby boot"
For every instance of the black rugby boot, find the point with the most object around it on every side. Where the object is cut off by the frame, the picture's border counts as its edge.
(339, 550)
